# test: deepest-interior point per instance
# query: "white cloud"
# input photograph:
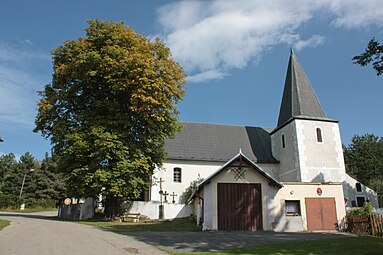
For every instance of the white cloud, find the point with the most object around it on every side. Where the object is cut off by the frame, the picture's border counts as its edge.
(18, 54)
(313, 41)
(18, 86)
(206, 76)
(212, 37)
(357, 14)
(17, 97)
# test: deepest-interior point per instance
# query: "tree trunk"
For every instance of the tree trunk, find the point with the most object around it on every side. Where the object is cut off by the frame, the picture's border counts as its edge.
(112, 207)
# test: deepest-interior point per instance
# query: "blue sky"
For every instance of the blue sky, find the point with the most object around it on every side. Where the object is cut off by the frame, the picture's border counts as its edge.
(235, 54)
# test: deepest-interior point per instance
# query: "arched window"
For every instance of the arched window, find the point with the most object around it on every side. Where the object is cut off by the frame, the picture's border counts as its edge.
(319, 135)
(283, 141)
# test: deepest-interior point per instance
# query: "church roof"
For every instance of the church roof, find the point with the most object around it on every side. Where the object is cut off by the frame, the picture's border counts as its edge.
(213, 142)
(299, 99)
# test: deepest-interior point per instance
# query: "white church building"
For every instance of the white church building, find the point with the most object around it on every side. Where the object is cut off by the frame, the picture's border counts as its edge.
(288, 178)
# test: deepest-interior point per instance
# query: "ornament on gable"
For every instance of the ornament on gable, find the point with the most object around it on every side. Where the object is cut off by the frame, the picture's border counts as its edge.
(239, 172)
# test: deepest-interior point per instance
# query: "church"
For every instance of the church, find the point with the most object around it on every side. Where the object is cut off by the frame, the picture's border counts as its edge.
(288, 178)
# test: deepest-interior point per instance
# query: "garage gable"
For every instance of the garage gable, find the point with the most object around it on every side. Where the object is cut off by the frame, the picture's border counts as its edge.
(238, 165)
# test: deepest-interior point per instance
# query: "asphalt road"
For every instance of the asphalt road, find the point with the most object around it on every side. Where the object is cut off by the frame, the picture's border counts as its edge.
(40, 234)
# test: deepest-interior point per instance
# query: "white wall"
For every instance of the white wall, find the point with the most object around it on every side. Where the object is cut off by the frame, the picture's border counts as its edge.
(304, 159)
(171, 211)
(350, 192)
(299, 191)
(320, 162)
(289, 166)
(227, 176)
(190, 170)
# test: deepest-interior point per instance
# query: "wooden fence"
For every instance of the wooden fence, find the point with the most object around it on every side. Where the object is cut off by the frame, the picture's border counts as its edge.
(365, 225)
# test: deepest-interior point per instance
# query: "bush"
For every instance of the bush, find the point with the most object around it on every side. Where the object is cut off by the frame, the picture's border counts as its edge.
(8, 201)
(42, 203)
(190, 190)
(366, 210)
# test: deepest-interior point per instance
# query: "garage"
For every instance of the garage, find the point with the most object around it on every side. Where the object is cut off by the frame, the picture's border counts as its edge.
(321, 214)
(239, 206)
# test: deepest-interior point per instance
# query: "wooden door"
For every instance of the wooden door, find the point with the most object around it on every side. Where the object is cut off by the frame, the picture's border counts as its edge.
(239, 206)
(321, 214)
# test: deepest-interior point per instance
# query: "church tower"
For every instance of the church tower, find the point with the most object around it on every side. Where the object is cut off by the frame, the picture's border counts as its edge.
(306, 142)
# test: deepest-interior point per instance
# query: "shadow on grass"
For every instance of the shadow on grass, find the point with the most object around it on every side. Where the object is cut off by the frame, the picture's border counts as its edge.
(179, 224)
(219, 240)
(343, 246)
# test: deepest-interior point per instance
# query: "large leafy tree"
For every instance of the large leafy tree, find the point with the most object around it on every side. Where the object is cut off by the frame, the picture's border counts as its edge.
(373, 53)
(111, 106)
(364, 160)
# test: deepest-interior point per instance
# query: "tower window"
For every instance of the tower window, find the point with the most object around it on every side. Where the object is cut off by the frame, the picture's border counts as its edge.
(319, 135)
(177, 174)
(358, 187)
(283, 141)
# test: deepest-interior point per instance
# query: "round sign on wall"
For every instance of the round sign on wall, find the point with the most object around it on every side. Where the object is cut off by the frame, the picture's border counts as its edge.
(319, 191)
(67, 201)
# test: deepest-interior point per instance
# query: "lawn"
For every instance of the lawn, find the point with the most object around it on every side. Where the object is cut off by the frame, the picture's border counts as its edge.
(365, 245)
(28, 210)
(3, 223)
(179, 224)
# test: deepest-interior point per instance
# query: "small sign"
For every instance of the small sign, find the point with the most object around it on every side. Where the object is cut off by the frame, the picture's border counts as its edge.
(67, 201)
(319, 191)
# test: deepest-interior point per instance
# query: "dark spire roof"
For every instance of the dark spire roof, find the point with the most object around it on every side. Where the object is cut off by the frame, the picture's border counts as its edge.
(299, 99)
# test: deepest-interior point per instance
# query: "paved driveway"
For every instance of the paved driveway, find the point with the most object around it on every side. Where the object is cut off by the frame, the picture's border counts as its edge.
(218, 241)
(39, 234)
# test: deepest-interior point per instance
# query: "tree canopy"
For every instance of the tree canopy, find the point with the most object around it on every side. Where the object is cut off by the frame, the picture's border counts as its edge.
(364, 160)
(110, 107)
(373, 53)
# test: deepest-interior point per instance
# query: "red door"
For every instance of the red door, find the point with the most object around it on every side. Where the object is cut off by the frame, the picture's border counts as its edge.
(321, 214)
(239, 206)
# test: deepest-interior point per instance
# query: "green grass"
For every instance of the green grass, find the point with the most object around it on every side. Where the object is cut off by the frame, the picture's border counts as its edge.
(180, 224)
(4, 223)
(28, 210)
(365, 245)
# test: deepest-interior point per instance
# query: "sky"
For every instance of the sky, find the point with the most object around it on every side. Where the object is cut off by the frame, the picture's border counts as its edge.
(234, 52)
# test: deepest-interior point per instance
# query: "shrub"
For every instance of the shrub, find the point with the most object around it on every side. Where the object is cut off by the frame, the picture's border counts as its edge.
(8, 201)
(42, 203)
(366, 210)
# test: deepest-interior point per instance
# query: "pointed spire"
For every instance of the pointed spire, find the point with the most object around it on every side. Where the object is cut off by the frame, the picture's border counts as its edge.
(299, 98)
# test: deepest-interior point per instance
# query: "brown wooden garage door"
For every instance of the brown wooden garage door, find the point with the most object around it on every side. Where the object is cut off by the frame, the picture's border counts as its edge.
(239, 206)
(321, 213)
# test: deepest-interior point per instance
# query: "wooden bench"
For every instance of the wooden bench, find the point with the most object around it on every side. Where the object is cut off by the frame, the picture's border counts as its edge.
(128, 216)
